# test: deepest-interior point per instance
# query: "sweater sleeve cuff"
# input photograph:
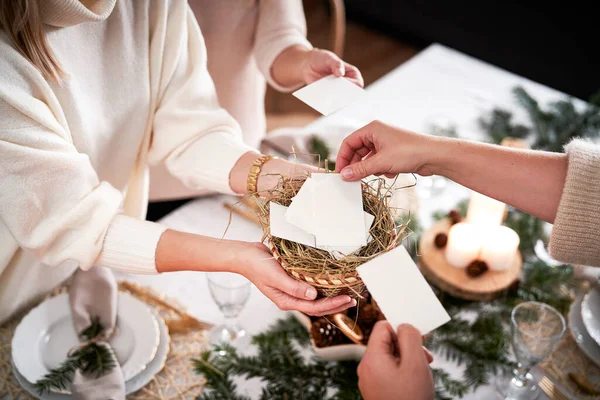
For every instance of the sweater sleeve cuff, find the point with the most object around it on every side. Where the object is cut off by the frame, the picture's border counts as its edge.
(266, 57)
(130, 245)
(211, 170)
(575, 236)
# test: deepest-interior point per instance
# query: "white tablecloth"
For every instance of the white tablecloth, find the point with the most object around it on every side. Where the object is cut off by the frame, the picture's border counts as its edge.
(438, 82)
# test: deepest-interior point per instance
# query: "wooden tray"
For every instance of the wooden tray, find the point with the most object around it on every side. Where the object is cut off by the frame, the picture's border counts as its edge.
(455, 281)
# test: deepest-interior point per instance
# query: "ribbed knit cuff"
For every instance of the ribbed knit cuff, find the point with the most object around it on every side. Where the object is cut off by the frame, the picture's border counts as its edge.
(217, 153)
(265, 61)
(576, 235)
(130, 245)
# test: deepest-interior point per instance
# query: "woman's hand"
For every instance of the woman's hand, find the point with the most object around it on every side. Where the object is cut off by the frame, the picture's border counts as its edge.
(388, 151)
(298, 65)
(395, 367)
(179, 251)
(532, 181)
(320, 63)
(258, 265)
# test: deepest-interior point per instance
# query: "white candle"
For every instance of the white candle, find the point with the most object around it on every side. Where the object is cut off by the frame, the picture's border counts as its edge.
(499, 248)
(484, 210)
(464, 244)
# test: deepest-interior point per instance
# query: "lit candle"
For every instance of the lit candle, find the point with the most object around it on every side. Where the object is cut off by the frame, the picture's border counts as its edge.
(484, 210)
(499, 248)
(464, 244)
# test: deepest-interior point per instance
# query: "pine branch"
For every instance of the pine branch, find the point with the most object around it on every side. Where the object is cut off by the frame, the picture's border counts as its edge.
(59, 377)
(318, 147)
(92, 331)
(93, 359)
(446, 385)
(216, 372)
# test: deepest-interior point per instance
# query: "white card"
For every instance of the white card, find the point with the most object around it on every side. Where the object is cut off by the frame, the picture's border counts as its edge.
(402, 292)
(329, 94)
(338, 212)
(368, 222)
(339, 252)
(300, 212)
(282, 229)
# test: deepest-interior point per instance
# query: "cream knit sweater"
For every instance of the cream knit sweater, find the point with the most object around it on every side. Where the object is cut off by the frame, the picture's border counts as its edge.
(74, 157)
(243, 39)
(576, 233)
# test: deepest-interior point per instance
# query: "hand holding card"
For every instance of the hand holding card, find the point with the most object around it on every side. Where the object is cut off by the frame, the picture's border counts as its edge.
(402, 292)
(329, 94)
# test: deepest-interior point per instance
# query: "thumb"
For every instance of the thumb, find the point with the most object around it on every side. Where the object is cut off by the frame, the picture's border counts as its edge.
(361, 169)
(296, 288)
(336, 66)
(410, 345)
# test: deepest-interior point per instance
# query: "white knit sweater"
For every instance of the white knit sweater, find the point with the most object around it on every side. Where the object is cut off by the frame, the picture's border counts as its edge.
(74, 157)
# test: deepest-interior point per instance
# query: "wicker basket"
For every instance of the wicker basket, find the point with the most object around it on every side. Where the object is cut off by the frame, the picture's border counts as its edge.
(328, 278)
(329, 284)
(326, 285)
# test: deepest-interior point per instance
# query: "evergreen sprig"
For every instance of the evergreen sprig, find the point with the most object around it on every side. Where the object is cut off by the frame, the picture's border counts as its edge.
(93, 360)
(551, 128)
(280, 365)
(319, 148)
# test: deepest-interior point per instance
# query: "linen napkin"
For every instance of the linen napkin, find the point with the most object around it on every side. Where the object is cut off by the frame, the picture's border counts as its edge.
(94, 293)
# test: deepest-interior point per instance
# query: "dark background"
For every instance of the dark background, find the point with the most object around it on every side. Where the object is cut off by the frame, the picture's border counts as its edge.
(554, 44)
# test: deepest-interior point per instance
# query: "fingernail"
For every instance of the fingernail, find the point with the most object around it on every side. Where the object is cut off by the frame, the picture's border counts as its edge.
(340, 71)
(353, 303)
(347, 173)
(311, 293)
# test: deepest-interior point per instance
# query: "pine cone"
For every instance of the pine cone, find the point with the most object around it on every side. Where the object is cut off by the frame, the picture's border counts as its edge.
(476, 268)
(441, 239)
(454, 216)
(367, 317)
(326, 334)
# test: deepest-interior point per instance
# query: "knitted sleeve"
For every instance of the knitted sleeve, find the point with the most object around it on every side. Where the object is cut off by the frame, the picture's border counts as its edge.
(51, 199)
(198, 141)
(576, 233)
(281, 24)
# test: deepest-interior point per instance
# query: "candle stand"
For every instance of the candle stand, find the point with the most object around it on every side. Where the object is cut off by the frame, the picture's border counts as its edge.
(455, 281)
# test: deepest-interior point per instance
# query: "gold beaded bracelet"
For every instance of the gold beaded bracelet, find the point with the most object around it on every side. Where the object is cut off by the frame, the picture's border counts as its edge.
(254, 171)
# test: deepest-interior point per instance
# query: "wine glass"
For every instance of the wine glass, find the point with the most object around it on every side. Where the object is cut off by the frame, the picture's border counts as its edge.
(230, 292)
(436, 125)
(535, 329)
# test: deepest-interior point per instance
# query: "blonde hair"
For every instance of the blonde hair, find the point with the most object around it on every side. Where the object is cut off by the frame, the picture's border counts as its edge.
(22, 21)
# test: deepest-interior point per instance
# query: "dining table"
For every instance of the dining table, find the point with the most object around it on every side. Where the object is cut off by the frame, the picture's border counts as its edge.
(437, 84)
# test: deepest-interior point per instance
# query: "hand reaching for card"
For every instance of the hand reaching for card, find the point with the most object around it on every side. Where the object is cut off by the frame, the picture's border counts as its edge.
(298, 65)
(395, 367)
(287, 293)
(321, 63)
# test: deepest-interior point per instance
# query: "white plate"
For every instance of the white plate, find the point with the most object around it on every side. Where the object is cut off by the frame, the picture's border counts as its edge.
(590, 312)
(132, 385)
(585, 342)
(46, 334)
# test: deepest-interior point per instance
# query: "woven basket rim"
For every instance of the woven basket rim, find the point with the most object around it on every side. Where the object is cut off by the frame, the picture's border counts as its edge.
(327, 282)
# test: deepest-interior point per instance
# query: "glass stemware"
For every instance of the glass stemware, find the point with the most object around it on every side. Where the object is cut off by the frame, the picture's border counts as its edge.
(230, 292)
(535, 328)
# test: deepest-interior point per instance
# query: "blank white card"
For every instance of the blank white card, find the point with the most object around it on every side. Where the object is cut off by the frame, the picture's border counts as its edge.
(282, 229)
(401, 291)
(329, 94)
(338, 212)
